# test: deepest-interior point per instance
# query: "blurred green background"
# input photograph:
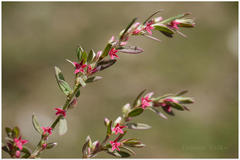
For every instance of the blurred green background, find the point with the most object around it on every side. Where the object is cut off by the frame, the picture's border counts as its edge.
(38, 36)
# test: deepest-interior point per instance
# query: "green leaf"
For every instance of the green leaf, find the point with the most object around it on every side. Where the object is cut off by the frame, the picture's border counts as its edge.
(131, 50)
(109, 128)
(135, 112)
(184, 100)
(128, 149)
(51, 145)
(84, 57)
(90, 56)
(5, 148)
(105, 64)
(84, 148)
(126, 29)
(93, 79)
(36, 124)
(16, 132)
(106, 50)
(138, 126)
(8, 131)
(173, 18)
(138, 97)
(79, 53)
(26, 151)
(164, 29)
(151, 17)
(182, 93)
(62, 126)
(153, 109)
(78, 93)
(123, 154)
(81, 81)
(61, 82)
(176, 106)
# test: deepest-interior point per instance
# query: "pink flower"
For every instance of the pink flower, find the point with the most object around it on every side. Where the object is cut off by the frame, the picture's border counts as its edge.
(60, 112)
(19, 142)
(115, 145)
(79, 67)
(123, 43)
(145, 101)
(113, 54)
(17, 154)
(44, 145)
(174, 24)
(118, 129)
(148, 27)
(90, 70)
(47, 130)
(158, 19)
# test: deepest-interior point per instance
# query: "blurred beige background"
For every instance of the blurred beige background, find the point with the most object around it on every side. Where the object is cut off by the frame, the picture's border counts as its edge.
(38, 36)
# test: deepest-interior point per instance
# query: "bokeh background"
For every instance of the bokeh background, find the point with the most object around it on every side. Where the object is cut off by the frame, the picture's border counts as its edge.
(38, 36)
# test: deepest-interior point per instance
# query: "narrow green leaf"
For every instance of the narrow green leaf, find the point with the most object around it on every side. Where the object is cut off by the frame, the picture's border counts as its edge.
(151, 16)
(51, 145)
(62, 126)
(138, 126)
(153, 109)
(123, 154)
(36, 125)
(184, 100)
(106, 50)
(173, 18)
(128, 26)
(135, 112)
(105, 64)
(109, 128)
(81, 81)
(79, 53)
(90, 56)
(93, 79)
(78, 93)
(84, 57)
(163, 28)
(70, 62)
(5, 148)
(128, 149)
(63, 85)
(8, 131)
(182, 93)
(138, 97)
(84, 148)
(16, 132)
(131, 50)
(26, 151)
(176, 106)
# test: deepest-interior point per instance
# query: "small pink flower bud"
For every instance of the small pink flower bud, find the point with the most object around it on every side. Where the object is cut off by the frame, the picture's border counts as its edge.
(158, 19)
(111, 40)
(123, 43)
(112, 53)
(79, 67)
(18, 154)
(73, 104)
(47, 130)
(44, 145)
(118, 129)
(115, 145)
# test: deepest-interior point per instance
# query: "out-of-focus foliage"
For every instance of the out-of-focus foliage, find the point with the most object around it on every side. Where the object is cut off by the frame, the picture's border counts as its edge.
(38, 36)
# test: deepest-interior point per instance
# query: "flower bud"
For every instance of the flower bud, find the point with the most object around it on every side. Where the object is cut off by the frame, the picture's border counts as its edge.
(106, 121)
(158, 19)
(73, 104)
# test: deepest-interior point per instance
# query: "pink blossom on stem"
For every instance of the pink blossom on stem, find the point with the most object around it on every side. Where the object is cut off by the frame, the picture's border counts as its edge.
(44, 145)
(115, 145)
(99, 53)
(19, 142)
(18, 154)
(90, 70)
(79, 67)
(145, 102)
(168, 106)
(60, 112)
(118, 129)
(112, 53)
(174, 24)
(47, 130)
(148, 27)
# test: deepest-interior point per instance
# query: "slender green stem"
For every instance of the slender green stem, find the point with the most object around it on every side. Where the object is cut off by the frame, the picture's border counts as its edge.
(65, 107)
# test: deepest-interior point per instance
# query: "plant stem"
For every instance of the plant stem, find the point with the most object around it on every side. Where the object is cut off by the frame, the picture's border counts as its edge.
(65, 107)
